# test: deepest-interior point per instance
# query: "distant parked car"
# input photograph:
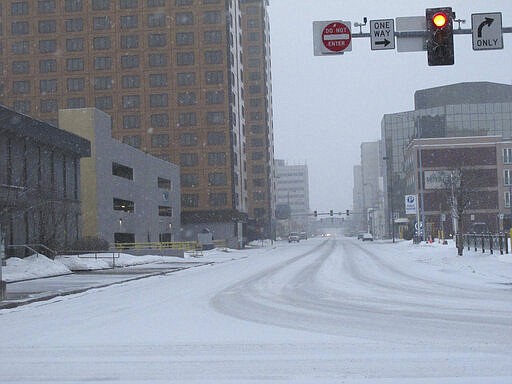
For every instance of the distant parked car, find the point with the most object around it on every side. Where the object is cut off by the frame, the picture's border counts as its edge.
(367, 237)
(303, 236)
(360, 235)
(479, 228)
(293, 236)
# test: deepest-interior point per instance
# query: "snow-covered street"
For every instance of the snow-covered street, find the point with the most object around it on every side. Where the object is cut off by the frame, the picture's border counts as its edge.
(320, 311)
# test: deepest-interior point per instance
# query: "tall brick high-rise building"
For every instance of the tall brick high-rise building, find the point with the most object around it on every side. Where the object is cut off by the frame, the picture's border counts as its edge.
(170, 74)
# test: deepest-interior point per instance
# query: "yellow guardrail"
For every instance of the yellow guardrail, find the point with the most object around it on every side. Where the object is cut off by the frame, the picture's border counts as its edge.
(181, 245)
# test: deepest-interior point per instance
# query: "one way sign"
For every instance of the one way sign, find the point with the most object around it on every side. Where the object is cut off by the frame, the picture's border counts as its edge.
(382, 34)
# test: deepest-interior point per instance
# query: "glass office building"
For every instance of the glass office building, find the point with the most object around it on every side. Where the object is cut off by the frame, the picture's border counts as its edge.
(457, 110)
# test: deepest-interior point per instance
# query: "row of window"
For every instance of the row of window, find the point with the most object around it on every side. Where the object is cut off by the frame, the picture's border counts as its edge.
(129, 206)
(102, 23)
(192, 159)
(191, 180)
(191, 200)
(126, 172)
(22, 8)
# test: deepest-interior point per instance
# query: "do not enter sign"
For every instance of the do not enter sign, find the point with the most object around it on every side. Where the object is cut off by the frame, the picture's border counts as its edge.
(332, 37)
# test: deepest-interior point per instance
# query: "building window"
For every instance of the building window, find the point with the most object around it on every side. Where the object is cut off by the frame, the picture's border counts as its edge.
(212, 17)
(47, 46)
(20, 67)
(47, 26)
(188, 139)
(187, 98)
(123, 205)
(185, 58)
(164, 211)
(160, 141)
(158, 80)
(189, 180)
(102, 42)
(160, 120)
(186, 78)
(258, 156)
(47, 66)
(156, 20)
(75, 45)
(213, 57)
(103, 83)
(19, 8)
(507, 199)
(129, 41)
(101, 23)
(48, 106)
(214, 77)
(123, 171)
(100, 5)
(507, 155)
(22, 106)
(75, 64)
(21, 87)
(133, 140)
(74, 25)
(215, 118)
(130, 81)
(189, 159)
(157, 40)
(211, 2)
(102, 63)
(129, 61)
(216, 158)
(22, 48)
(157, 60)
(19, 28)
(187, 119)
(156, 3)
(127, 4)
(164, 183)
(258, 169)
(158, 100)
(217, 178)
(184, 38)
(507, 177)
(216, 138)
(131, 101)
(76, 102)
(190, 200)
(47, 86)
(184, 18)
(213, 37)
(76, 85)
(218, 199)
(131, 122)
(129, 21)
(214, 97)
(104, 102)
(73, 5)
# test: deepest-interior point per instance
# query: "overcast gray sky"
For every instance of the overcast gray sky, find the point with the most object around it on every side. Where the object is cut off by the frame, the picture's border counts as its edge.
(325, 107)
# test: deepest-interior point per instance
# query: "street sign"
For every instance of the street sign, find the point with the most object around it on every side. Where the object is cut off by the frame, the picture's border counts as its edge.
(411, 204)
(487, 31)
(411, 24)
(331, 37)
(382, 34)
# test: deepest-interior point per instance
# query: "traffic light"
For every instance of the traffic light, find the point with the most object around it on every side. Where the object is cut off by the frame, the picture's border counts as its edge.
(347, 212)
(315, 213)
(440, 36)
(331, 212)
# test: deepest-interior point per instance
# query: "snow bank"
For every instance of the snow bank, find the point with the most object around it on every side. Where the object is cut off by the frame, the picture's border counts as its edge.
(32, 267)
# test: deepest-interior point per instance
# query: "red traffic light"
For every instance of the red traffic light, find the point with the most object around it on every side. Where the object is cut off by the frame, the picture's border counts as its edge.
(440, 19)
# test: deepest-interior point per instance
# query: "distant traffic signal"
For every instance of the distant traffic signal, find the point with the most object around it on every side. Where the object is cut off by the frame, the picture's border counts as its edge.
(315, 213)
(440, 36)
(331, 212)
(347, 212)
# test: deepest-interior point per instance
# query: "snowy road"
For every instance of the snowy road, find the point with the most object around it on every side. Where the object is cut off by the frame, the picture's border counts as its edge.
(321, 311)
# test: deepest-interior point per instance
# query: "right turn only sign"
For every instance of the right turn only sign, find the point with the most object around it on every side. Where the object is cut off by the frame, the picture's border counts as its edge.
(487, 31)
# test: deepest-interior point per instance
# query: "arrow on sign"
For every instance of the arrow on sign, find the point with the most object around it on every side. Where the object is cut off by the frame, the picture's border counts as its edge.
(384, 42)
(488, 21)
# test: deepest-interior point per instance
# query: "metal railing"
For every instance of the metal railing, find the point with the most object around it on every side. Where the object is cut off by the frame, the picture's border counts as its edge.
(179, 245)
(33, 249)
(487, 242)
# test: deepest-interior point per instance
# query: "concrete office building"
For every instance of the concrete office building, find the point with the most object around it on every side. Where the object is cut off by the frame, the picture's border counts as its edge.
(39, 183)
(293, 192)
(128, 195)
(457, 110)
(168, 72)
